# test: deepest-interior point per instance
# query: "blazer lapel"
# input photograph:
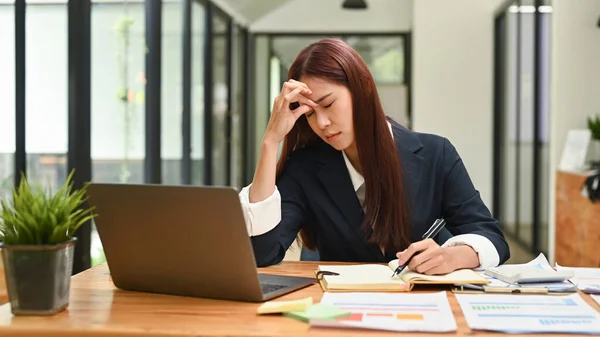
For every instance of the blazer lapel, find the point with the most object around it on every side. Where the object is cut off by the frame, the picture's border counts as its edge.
(334, 176)
(408, 145)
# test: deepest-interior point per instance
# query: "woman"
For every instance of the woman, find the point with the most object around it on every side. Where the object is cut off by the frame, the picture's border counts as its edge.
(357, 185)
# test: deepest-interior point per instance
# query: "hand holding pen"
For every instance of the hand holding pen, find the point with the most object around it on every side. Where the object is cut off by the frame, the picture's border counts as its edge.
(426, 256)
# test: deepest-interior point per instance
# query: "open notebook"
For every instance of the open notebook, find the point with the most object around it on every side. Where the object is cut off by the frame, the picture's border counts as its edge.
(377, 277)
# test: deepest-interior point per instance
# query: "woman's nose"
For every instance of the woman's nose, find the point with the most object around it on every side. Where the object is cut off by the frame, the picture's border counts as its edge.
(323, 121)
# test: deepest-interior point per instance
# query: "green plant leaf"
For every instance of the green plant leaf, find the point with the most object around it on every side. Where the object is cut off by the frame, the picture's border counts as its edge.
(35, 216)
(594, 126)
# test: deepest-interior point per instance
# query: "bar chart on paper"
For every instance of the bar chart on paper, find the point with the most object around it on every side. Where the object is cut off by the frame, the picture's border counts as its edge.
(392, 311)
(529, 313)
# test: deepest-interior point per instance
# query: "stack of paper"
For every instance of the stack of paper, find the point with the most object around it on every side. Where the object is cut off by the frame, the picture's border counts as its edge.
(529, 313)
(540, 262)
(391, 311)
(596, 298)
(586, 279)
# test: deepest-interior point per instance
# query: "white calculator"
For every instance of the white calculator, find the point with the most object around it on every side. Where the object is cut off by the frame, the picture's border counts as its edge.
(524, 274)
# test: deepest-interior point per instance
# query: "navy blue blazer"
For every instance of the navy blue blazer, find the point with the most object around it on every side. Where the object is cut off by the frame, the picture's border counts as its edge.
(316, 191)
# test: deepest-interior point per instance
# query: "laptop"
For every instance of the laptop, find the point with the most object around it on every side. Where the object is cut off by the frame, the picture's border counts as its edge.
(182, 240)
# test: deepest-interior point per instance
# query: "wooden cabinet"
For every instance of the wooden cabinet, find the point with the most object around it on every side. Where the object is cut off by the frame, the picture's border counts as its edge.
(577, 223)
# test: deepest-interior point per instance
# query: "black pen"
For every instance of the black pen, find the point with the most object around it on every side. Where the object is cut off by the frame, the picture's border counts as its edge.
(432, 232)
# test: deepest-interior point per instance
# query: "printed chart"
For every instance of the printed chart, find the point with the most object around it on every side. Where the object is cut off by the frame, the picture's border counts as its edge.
(391, 311)
(529, 313)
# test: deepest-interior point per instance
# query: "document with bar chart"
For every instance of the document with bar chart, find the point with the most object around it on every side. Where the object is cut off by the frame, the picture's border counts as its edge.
(391, 311)
(529, 313)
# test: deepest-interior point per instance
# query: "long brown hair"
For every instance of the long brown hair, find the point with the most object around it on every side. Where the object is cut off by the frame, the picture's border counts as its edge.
(386, 209)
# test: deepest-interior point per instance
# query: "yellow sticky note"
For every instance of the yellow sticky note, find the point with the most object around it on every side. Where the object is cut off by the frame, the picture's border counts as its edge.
(319, 311)
(285, 306)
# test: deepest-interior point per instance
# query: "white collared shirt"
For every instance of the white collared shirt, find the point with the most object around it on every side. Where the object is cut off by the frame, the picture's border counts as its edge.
(263, 216)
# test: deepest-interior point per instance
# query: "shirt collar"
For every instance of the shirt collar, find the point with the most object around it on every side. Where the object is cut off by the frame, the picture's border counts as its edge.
(357, 178)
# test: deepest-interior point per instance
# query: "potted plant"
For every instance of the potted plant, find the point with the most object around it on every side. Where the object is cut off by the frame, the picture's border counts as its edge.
(36, 230)
(594, 126)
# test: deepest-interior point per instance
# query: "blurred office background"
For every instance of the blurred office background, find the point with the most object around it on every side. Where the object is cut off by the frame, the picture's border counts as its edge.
(180, 91)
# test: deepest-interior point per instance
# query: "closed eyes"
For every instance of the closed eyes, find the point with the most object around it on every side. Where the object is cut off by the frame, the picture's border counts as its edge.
(313, 111)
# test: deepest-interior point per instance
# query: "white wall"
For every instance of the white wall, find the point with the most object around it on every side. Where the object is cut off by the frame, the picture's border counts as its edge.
(299, 16)
(453, 80)
(575, 78)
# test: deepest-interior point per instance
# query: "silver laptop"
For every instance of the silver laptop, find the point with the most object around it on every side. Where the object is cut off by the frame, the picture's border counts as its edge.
(182, 240)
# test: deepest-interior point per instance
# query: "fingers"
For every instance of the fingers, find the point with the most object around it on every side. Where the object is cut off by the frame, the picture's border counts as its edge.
(433, 266)
(295, 99)
(282, 101)
(296, 92)
(301, 110)
(291, 84)
(431, 252)
(427, 258)
(293, 92)
(301, 100)
(413, 249)
(292, 97)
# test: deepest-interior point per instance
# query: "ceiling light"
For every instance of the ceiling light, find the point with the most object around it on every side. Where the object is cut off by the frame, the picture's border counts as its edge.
(529, 9)
(354, 4)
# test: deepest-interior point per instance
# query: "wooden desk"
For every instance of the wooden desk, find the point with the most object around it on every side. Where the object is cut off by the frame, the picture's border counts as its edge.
(99, 309)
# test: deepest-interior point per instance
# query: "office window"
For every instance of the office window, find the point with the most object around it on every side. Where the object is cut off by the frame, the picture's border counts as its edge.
(277, 77)
(384, 55)
(7, 103)
(521, 161)
(237, 109)
(117, 92)
(509, 163)
(288, 47)
(197, 118)
(46, 94)
(117, 98)
(171, 91)
(544, 145)
(219, 107)
(525, 140)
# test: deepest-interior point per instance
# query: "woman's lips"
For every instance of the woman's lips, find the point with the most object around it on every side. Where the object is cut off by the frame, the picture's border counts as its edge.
(332, 136)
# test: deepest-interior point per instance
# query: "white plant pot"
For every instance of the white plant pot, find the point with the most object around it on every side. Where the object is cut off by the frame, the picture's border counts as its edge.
(594, 151)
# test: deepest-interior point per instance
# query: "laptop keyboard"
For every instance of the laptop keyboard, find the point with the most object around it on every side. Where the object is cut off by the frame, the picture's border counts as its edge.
(267, 288)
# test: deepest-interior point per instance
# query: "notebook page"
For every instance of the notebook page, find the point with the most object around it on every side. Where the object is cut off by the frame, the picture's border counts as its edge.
(457, 276)
(371, 276)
